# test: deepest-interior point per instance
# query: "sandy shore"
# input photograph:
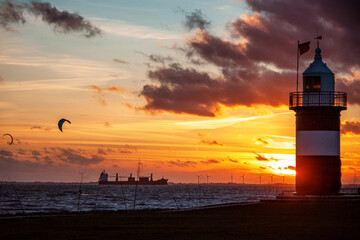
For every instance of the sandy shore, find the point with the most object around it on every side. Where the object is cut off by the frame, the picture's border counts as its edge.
(280, 220)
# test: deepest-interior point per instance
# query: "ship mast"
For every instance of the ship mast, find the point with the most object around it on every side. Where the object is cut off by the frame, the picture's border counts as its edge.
(138, 170)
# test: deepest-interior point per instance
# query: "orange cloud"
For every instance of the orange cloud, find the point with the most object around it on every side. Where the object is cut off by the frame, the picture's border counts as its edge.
(211, 142)
(261, 140)
(100, 99)
(350, 127)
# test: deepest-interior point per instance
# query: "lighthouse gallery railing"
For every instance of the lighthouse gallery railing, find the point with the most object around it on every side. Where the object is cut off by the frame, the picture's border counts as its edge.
(320, 99)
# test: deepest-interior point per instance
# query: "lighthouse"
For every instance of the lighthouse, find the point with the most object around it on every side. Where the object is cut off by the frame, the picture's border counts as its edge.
(317, 108)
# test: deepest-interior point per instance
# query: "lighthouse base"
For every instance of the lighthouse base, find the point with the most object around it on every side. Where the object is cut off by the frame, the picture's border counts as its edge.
(318, 175)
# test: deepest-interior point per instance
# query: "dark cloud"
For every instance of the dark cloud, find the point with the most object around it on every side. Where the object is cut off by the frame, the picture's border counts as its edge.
(156, 58)
(101, 151)
(159, 59)
(179, 163)
(261, 157)
(195, 19)
(256, 62)
(351, 86)
(232, 160)
(12, 162)
(61, 21)
(46, 151)
(186, 90)
(6, 153)
(48, 160)
(211, 142)
(11, 13)
(126, 151)
(337, 21)
(120, 61)
(73, 156)
(290, 167)
(261, 140)
(210, 161)
(35, 153)
(41, 128)
(21, 152)
(352, 127)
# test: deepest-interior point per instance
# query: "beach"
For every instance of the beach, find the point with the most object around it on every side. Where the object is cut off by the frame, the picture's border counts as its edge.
(263, 220)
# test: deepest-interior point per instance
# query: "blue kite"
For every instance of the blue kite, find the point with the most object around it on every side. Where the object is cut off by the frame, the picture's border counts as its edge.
(61, 122)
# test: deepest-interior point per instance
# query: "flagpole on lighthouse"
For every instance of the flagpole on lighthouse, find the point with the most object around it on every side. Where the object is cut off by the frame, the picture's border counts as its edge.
(297, 67)
(301, 49)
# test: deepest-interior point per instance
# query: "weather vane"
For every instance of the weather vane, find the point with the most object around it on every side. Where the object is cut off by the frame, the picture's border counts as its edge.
(318, 37)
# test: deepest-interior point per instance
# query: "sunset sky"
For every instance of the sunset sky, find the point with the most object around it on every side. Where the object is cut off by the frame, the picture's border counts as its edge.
(188, 87)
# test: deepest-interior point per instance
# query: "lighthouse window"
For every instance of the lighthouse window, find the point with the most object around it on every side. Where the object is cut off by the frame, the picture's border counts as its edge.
(312, 84)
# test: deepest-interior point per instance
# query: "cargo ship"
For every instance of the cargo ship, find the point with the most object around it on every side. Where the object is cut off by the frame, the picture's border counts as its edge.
(104, 180)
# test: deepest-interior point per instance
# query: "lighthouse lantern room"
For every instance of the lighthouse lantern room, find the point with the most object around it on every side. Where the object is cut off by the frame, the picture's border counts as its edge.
(318, 107)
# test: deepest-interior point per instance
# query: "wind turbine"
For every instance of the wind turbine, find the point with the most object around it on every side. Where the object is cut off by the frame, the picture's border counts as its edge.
(354, 177)
(260, 178)
(243, 178)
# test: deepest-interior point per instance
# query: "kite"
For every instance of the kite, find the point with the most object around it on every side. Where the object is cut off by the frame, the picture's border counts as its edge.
(12, 139)
(61, 122)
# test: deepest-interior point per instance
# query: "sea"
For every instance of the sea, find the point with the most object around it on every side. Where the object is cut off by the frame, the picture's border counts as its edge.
(26, 198)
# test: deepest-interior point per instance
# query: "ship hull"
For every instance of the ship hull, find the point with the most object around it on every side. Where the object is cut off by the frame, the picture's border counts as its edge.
(158, 182)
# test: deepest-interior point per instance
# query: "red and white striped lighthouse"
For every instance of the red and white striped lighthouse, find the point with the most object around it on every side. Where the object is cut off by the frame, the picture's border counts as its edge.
(318, 107)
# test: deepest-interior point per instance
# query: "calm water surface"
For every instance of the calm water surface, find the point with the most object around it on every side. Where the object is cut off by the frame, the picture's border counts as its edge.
(33, 198)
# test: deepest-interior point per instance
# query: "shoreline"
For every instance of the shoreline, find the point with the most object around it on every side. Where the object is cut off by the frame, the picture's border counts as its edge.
(261, 220)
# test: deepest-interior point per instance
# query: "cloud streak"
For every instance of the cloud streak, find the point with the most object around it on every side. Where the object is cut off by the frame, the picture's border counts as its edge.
(180, 163)
(124, 29)
(261, 157)
(107, 89)
(102, 90)
(210, 161)
(41, 128)
(261, 141)
(211, 142)
(120, 61)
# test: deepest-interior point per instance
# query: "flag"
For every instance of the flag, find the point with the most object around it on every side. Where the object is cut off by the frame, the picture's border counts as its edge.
(304, 47)
(318, 37)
